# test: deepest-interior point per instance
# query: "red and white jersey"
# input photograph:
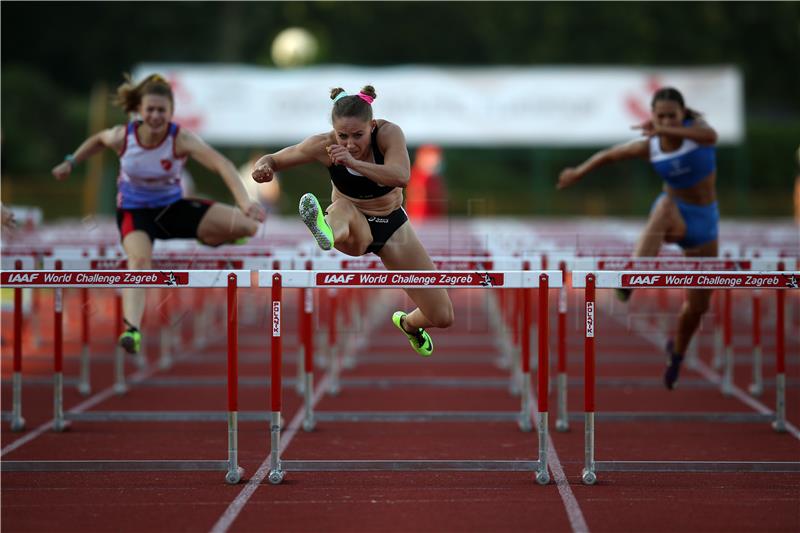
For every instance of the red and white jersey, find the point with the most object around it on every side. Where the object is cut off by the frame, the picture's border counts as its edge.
(149, 176)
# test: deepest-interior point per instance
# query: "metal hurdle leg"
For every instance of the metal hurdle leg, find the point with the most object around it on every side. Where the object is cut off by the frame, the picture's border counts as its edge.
(719, 346)
(562, 416)
(276, 474)
(780, 364)
(524, 421)
(59, 424)
(166, 334)
(119, 355)
(235, 472)
(17, 422)
(84, 386)
(307, 341)
(726, 385)
(588, 474)
(542, 475)
(333, 348)
(756, 388)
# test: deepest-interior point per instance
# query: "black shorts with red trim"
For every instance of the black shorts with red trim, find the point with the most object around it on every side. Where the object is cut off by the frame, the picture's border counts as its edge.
(178, 220)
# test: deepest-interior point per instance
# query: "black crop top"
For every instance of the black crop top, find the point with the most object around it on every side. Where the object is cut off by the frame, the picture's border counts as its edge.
(360, 187)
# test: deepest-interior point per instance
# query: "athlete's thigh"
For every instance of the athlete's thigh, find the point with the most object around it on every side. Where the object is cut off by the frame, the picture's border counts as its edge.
(359, 236)
(404, 251)
(666, 216)
(699, 298)
(223, 219)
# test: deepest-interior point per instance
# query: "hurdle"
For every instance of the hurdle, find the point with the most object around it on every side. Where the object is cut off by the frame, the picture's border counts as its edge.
(58, 279)
(463, 263)
(659, 279)
(163, 261)
(310, 279)
(724, 333)
(17, 422)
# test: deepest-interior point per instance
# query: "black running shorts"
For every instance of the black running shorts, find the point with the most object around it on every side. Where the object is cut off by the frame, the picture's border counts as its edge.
(178, 220)
(384, 227)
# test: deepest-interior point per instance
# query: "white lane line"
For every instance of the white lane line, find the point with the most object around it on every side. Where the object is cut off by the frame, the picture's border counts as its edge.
(236, 506)
(87, 404)
(574, 513)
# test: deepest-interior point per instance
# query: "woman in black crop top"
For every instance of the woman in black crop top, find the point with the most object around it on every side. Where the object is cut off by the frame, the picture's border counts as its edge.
(369, 166)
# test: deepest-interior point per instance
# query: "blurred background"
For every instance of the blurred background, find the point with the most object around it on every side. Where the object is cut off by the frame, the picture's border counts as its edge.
(506, 94)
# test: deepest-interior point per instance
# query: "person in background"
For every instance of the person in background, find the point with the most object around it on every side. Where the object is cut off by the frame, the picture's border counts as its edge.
(152, 153)
(368, 163)
(680, 147)
(426, 194)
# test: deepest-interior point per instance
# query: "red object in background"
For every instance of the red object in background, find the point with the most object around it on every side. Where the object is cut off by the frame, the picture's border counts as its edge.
(426, 195)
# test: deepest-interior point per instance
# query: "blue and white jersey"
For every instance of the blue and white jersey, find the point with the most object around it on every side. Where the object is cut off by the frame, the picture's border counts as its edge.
(685, 166)
(149, 176)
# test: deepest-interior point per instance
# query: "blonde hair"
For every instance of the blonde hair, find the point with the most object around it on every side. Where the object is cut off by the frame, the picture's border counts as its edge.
(130, 94)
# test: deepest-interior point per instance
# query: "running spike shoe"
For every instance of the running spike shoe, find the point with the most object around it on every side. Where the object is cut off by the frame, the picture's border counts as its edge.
(131, 340)
(420, 340)
(314, 218)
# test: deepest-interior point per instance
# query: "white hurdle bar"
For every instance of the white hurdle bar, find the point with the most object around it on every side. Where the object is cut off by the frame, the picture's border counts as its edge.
(589, 281)
(310, 279)
(59, 279)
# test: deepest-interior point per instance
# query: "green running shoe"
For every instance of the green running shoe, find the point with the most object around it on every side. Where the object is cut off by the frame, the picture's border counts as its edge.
(420, 341)
(314, 218)
(131, 341)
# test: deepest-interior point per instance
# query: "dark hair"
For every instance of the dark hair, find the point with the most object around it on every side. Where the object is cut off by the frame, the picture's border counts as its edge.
(353, 105)
(129, 94)
(672, 94)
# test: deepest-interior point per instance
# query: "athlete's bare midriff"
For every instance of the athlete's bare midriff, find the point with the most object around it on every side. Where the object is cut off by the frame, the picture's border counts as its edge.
(382, 205)
(703, 192)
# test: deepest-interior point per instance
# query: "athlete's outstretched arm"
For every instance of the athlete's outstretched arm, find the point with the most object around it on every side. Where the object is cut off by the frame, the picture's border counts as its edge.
(191, 144)
(699, 131)
(110, 138)
(310, 150)
(396, 168)
(628, 150)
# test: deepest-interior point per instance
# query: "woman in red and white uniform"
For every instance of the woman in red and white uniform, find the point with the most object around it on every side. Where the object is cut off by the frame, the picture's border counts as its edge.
(150, 204)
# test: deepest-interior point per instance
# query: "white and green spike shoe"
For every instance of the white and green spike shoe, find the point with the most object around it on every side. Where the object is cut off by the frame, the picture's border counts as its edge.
(314, 218)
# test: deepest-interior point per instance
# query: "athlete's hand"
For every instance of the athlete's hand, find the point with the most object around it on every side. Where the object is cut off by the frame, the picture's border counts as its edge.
(263, 173)
(339, 155)
(567, 177)
(255, 211)
(62, 170)
(648, 128)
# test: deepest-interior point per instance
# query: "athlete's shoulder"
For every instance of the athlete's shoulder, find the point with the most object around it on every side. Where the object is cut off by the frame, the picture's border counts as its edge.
(114, 137)
(389, 134)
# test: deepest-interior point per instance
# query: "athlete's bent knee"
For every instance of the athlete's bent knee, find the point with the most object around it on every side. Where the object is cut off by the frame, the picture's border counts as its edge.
(442, 317)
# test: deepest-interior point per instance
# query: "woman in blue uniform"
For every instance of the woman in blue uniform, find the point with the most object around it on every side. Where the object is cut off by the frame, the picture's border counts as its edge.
(152, 152)
(369, 166)
(680, 147)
